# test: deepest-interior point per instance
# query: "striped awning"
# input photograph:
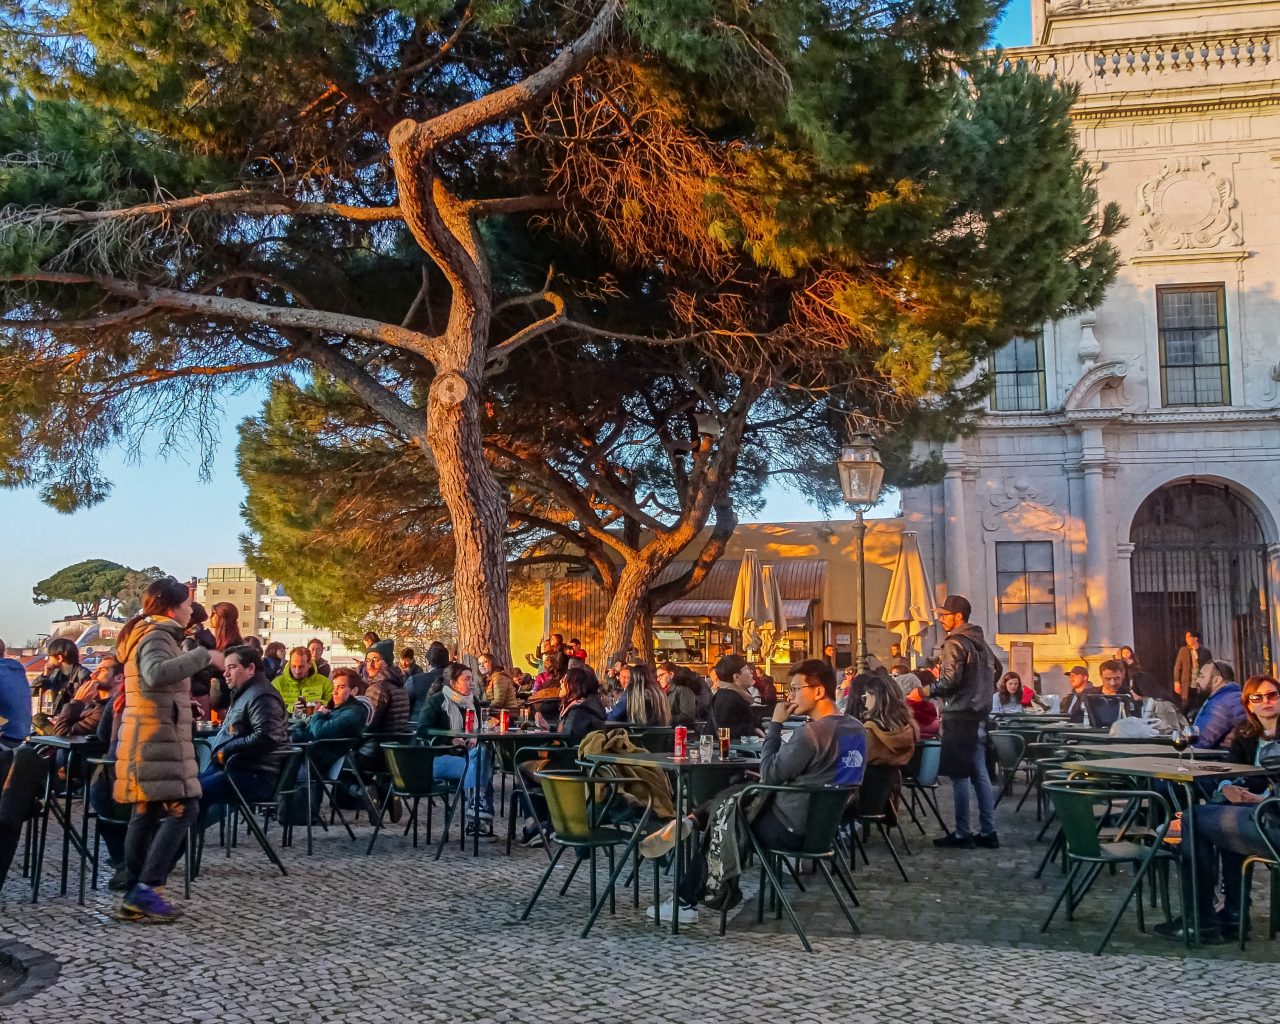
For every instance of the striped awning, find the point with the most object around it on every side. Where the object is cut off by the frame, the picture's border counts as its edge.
(697, 608)
(799, 579)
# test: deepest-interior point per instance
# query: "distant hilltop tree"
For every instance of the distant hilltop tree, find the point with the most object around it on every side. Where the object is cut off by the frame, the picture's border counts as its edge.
(96, 587)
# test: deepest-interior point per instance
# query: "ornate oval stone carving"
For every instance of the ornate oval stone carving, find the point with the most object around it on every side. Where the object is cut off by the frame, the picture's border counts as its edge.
(1187, 206)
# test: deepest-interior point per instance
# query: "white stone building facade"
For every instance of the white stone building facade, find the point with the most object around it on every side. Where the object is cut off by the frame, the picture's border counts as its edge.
(1125, 485)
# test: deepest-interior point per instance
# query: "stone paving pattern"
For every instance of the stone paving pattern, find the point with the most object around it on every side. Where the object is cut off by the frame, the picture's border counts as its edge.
(397, 937)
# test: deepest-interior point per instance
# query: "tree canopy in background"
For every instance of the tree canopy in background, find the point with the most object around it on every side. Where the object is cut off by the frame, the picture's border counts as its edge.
(817, 201)
(96, 587)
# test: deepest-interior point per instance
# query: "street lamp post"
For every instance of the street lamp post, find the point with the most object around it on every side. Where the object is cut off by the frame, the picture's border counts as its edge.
(861, 476)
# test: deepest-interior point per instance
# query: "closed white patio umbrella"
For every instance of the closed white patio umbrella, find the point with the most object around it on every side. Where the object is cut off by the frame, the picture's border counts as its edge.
(908, 607)
(748, 610)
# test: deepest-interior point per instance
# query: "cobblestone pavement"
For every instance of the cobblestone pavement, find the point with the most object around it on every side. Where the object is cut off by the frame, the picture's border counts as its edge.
(345, 938)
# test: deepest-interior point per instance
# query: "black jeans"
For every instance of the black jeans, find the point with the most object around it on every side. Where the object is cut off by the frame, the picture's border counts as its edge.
(22, 774)
(156, 833)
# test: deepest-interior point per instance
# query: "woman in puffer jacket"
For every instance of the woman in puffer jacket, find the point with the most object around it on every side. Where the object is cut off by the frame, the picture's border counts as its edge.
(156, 768)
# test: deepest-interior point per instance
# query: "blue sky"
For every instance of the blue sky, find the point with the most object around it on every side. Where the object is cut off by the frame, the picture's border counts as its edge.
(161, 513)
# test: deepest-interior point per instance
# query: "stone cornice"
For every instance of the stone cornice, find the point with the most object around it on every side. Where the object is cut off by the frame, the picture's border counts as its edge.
(1032, 421)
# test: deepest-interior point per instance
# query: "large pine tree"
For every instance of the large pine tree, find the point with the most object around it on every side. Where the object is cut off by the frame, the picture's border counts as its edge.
(405, 195)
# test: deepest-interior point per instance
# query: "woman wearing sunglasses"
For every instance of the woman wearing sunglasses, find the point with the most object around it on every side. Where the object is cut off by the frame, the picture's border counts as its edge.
(1226, 827)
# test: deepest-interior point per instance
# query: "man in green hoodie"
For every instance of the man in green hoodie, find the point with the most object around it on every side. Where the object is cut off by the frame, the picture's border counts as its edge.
(300, 683)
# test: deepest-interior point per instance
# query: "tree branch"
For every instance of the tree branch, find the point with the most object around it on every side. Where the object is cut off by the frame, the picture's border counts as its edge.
(534, 89)
(239, 200)
(480, 208)
(246, 309)
(526, 334)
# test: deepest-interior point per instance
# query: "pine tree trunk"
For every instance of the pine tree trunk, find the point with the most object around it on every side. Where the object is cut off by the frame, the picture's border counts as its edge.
(627, 607)
(478, 510)
(642, 636)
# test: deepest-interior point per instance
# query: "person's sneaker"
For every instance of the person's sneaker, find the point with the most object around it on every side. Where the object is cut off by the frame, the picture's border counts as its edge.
(688, 915)
(150, 904)
(954, 840)
(119, 881)
(1177, 931)
(484, 828)
(987, 842)
(658, 843)
(531, 837)
(122, 913)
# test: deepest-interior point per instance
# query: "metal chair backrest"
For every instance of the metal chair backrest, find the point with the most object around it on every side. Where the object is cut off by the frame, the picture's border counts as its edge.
(656, 739)
(558, 758)
(566, 795)
(412, 767)
(1074, 806)
(827, 805)
(1266, 817)
(287, 780)
(1009, 748)
(878, 783)
(927, 760)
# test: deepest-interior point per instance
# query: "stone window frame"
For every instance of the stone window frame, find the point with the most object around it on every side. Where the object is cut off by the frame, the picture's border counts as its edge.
(1040, 372)
(1219, 288)
(997, 590)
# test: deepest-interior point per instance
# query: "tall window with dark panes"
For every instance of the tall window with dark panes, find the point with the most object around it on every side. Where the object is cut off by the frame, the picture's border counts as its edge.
(1024, 587)
(1192, 322)
(1018, 369)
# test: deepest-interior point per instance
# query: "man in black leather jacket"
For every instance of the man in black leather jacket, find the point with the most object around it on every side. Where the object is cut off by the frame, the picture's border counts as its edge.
(966, 680)
(254, 737)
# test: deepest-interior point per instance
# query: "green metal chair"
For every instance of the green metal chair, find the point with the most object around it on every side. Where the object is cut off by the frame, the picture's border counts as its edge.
(287, 782)
(1010, 748)
(549, 758)
(1087, 852)
(657, 739)
(411, 777)
(874, 807)
(827, 805)
(575, 823)
(1271, 863)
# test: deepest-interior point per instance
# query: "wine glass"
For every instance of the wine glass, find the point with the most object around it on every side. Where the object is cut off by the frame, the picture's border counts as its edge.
(1180, 742)
(1192, 734)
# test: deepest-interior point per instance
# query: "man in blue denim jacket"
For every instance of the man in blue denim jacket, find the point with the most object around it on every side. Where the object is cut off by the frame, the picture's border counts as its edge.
(1222, 710)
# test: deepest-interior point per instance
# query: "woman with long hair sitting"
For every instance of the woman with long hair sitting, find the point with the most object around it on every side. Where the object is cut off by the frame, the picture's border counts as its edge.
(646, 703)
(891, 729)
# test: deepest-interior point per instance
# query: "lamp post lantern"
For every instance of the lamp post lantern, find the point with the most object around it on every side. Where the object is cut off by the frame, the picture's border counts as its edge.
(861, 476)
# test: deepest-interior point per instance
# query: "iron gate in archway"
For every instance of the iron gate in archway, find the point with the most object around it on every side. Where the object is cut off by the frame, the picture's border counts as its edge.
(1200, 562)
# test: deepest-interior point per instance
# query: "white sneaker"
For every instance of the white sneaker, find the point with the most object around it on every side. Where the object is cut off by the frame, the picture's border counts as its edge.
(688, 915)
(658, 843)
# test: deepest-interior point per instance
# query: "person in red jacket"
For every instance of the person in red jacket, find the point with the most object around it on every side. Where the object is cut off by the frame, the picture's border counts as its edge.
(923, 710)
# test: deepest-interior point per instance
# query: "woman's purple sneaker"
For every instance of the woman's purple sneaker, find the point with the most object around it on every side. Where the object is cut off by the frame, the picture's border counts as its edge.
(149, 904)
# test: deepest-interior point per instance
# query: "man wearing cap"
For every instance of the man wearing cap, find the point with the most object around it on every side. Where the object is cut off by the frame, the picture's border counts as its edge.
(1081, 690)
(966, 681)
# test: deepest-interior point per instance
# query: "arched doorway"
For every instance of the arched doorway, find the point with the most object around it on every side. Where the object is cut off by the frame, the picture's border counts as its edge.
(1200, 562)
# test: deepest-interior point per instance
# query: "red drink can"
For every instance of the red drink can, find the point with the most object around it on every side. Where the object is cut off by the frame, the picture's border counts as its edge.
(682, 741)
(504, 720)
(470, 721)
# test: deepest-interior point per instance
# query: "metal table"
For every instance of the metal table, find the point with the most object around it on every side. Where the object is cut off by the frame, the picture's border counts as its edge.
(75, 747)
(495, 739)
(681, 768)
(1135, 748)
(1185, 776)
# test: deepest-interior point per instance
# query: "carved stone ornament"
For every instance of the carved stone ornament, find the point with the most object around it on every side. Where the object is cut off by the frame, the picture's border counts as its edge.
(1022, 509)
(449, 388)
(1072, 6)
(1187, 206)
